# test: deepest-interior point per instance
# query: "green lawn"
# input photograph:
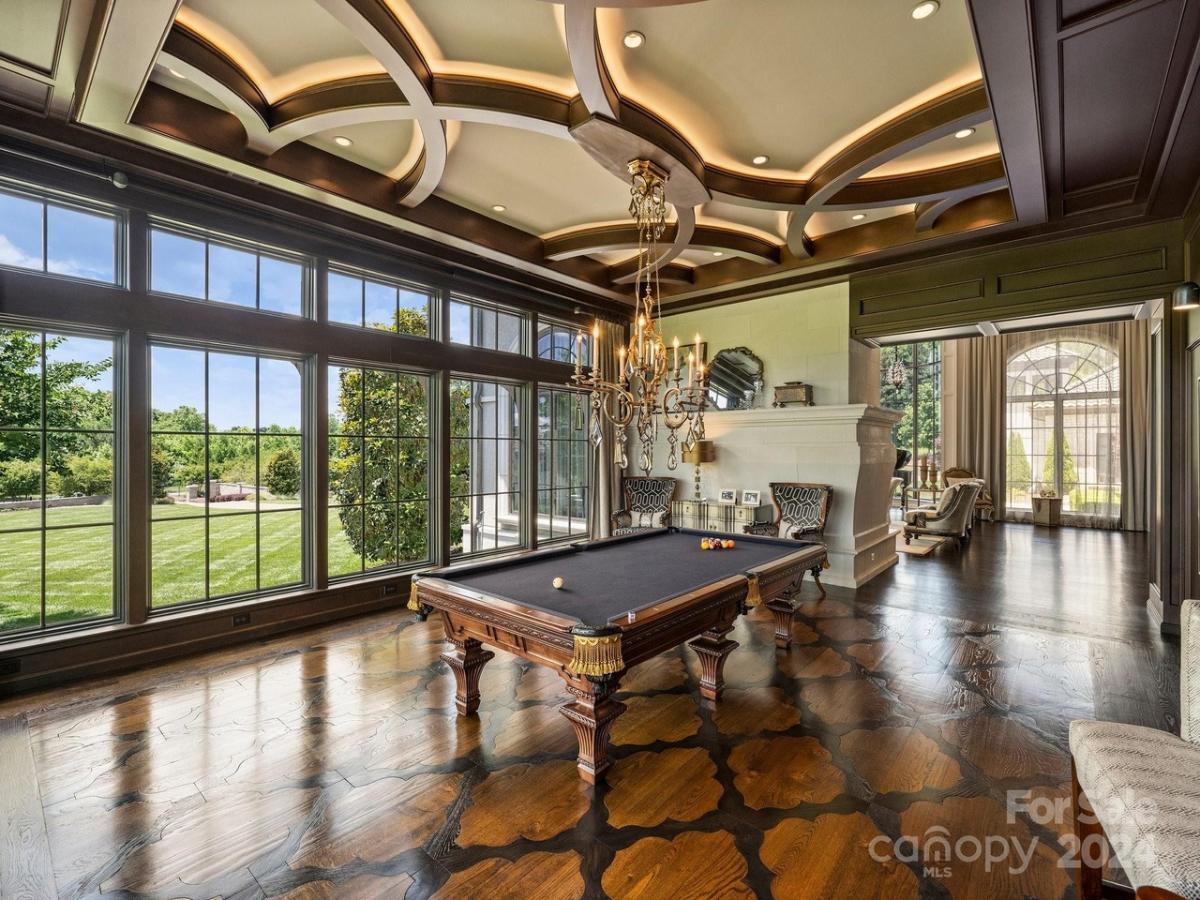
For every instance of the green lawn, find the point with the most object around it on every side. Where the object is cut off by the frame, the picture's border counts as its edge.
(79, 572)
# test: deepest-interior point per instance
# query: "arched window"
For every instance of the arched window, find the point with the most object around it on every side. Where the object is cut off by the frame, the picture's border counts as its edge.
(1064, 427)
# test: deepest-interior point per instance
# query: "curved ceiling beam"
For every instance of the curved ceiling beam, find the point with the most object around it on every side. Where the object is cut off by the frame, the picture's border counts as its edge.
(928, 213)
(917, 187)
(592, 78)
(377, 29)
(672, 273)
(586, 241)
(963, 108)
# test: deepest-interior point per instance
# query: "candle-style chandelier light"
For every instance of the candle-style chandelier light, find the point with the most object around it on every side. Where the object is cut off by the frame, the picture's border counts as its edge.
(645, 368)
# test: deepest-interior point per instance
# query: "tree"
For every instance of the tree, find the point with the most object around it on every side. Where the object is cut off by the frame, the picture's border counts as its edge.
(20, 478)
(1018, 475)
(70, 404)
(369, 474)
(87, 475)
(282, 475)
(1070, 477)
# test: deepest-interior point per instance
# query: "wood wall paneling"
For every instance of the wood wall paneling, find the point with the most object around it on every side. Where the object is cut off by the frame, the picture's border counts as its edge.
(1103, 269)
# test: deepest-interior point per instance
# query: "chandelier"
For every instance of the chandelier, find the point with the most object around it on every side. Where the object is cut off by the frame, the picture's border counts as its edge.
(896, 374)
(645, 369)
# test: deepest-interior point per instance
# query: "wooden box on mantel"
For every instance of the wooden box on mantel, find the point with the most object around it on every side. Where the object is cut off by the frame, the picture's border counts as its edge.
(795, 393)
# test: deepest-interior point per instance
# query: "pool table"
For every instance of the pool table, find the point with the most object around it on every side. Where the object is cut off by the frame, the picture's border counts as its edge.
(622, 601)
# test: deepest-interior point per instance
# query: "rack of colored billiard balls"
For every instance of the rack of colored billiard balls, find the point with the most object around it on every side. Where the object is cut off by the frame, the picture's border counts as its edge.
(717, 543)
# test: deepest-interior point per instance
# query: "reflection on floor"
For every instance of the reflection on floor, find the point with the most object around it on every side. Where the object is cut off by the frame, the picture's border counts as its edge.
(331, 762)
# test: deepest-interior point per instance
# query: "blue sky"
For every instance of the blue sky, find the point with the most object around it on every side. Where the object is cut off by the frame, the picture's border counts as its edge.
(177, 379)
(80, 244)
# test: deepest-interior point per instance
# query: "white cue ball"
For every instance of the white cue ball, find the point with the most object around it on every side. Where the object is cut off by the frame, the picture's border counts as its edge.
(558, 584)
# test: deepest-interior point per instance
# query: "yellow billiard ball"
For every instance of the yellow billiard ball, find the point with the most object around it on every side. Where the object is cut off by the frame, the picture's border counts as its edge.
(558, 584)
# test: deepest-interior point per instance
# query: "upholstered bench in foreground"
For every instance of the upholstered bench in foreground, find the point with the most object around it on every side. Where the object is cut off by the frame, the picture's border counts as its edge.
(1144, 788)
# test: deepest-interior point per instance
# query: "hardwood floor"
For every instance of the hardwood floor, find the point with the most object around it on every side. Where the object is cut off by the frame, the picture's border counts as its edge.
(332, 762)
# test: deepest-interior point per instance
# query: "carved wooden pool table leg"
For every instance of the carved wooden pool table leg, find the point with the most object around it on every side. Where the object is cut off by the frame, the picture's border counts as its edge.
(712, 647)
(592, 714)
(784, 611)
(467, 662)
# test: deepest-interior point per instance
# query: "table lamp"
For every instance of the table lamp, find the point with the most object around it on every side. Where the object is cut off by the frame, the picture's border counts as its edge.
(702, 452)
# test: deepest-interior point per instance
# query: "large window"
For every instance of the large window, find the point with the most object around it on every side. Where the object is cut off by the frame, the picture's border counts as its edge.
(1064, 427)
(485, 466)
(373, 301)
(57, 446)
(58, 237)
(562, 341)
(911, 383)
(227, 474)
(226, 271)
(379, 451)
(486, 325)
(564, 460)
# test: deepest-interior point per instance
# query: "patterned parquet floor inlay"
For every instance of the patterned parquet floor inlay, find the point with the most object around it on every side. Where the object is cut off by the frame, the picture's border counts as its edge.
(331, 763)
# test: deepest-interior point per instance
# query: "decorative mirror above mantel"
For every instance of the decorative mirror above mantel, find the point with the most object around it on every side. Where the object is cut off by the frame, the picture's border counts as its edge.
(735, 379)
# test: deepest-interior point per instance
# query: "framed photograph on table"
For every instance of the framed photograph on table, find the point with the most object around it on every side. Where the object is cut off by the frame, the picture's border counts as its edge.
(751, 498)
(727, 497)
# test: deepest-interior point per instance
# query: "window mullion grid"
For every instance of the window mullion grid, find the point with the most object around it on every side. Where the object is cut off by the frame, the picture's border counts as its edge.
(206, 480)
(45, 446)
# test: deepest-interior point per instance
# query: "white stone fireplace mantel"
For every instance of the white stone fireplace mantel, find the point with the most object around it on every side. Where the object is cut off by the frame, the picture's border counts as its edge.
(848, 447)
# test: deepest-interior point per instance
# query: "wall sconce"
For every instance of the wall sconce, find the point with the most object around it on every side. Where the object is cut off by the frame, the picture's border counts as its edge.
(702, 452)
(1186, 296)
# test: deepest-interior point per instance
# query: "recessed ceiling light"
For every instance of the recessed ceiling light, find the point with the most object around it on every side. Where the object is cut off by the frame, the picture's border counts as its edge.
(858, 217)
(964, 133)
(342, 141)
(925, 9)
(499, 207)
(634, 39)
(177, 74)
(760, 160)
(718, 253)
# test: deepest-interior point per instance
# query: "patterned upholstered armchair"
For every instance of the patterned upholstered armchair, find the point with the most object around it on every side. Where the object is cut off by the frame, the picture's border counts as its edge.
(647, 504)
(951, 518)
(801, 511)
(1137, 787)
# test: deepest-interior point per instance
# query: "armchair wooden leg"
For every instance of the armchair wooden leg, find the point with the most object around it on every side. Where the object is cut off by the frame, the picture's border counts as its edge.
(1088, 835)
(816, 574)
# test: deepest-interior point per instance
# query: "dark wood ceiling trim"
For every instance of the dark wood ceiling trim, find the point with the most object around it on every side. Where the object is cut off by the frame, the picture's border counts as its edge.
(203, 126)
(509, 98)
(839, 253)
(585, 241)
(672, 274)
(1002, 30)
(333, 96)
(187, 46)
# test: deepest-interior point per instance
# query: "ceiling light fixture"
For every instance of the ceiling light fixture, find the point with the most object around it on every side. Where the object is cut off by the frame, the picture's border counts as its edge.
(718, 253)
(760, 160)
(647, 383)
(499, 207)
(634, 39)
(925, 9)
(964, 133)
(858, 217)
(177, 74)
(343, 141)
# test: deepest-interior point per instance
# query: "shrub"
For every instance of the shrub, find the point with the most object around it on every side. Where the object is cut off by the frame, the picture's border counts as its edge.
(282, 475)
(189, 473)
(240, 469)
(160, 474)
(20, 478)
(87, 475)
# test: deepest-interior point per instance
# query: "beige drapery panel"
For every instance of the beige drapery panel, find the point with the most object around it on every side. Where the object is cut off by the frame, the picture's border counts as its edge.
(981, 414)
(605, 474)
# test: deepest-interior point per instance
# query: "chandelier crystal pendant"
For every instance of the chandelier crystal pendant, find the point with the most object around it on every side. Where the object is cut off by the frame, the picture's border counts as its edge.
(645, 370)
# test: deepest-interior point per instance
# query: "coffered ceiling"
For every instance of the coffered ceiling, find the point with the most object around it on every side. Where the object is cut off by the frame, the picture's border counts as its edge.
(503, 127)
